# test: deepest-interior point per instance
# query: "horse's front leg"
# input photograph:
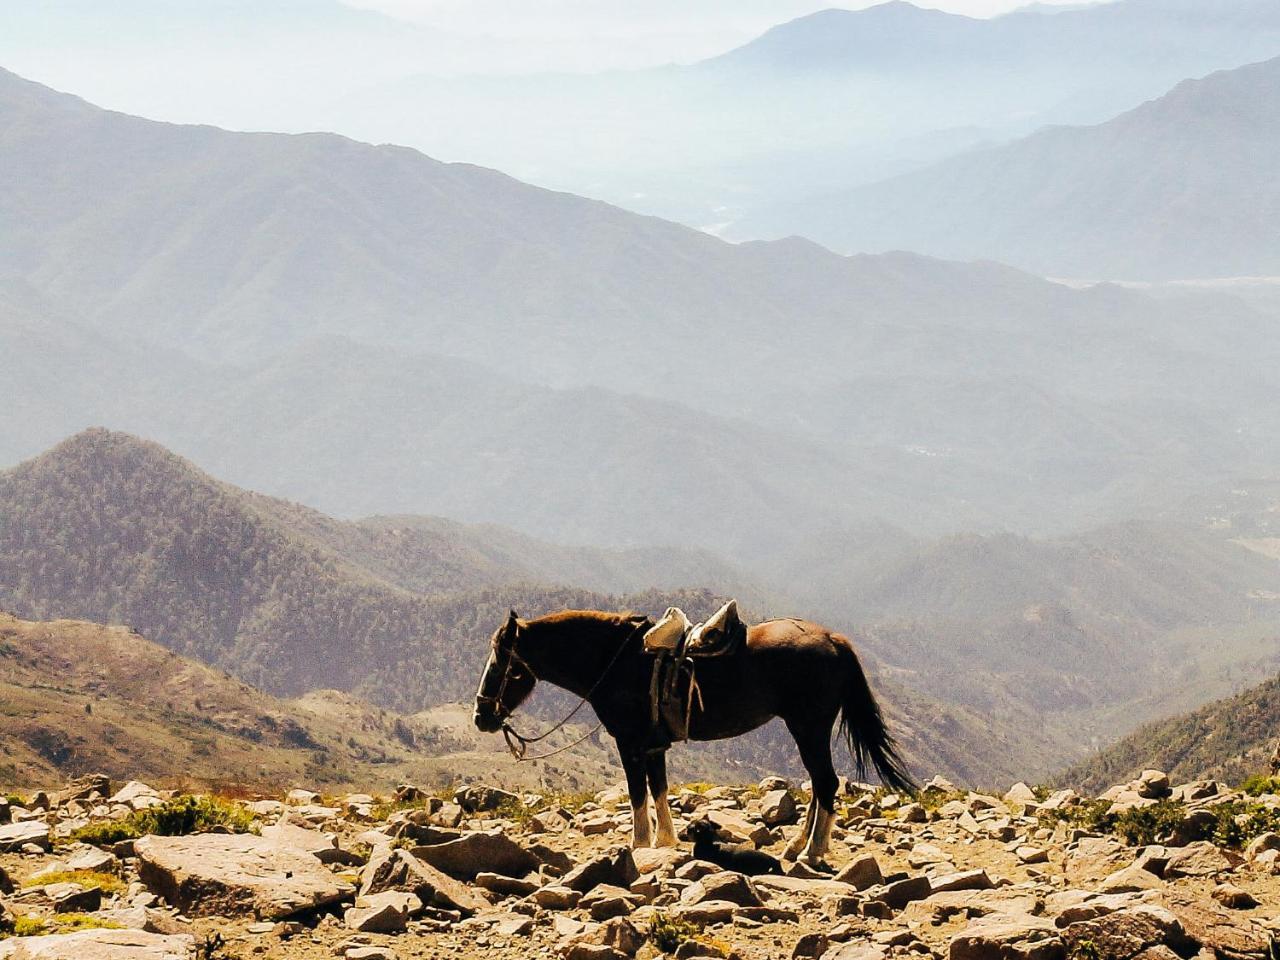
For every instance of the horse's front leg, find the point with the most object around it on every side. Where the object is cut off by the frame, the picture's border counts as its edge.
(633, 763)
(656, 764)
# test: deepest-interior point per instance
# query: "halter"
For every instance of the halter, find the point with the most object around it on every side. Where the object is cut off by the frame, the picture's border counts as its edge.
(519, 744)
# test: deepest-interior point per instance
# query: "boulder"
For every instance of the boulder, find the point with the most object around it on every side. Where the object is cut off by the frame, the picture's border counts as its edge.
(652, 859)
(805, 887)
(1200, 859)
(1152, 784)
(617, 867)
(385, 912)
(15, 836)
(862, 872)
(1020, 795)
(1008, 938)
(1260, 844)
(1130, 879)
(73, 898)
(99, 945)
(137, 795)
(83, 788)
(1233, 897)
(225, 875)
(901, 892)
(489, 851)
(556, 897)
(479, 798)
(91, 858)
(964, 880)
(401, 870)
(778, 808)
(1225, 933)
(854, 950)
(726, 885)
(707, 912)
(1128, 932)
(606, 901)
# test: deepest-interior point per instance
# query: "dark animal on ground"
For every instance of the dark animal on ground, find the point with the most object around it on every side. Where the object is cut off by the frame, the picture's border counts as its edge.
(739, 857)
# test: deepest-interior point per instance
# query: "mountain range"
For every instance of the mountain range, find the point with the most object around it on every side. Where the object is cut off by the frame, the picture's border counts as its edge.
(1179, 187)
(370, 331)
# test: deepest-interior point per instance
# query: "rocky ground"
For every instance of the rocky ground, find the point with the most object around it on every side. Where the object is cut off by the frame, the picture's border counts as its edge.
(1151, 871)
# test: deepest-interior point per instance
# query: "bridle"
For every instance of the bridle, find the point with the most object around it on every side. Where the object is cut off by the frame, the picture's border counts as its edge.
(517, 743)
(513, 660)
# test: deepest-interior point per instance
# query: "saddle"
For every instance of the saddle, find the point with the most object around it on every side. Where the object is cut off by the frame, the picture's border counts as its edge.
(676, 645)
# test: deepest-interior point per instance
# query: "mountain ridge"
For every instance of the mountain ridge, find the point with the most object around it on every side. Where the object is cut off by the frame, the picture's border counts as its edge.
(1173, 189)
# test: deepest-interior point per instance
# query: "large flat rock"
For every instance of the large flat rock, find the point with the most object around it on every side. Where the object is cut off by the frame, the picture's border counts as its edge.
(224, 875)
(98, 945)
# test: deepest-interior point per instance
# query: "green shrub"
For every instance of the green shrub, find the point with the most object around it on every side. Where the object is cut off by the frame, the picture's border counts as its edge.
(1239, 822)
(1091, 815)
(1259, 784)
(1142, 826)
(667, 933)
(174, 818)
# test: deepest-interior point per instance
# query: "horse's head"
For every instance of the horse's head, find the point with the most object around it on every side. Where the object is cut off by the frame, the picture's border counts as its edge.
(507, 680)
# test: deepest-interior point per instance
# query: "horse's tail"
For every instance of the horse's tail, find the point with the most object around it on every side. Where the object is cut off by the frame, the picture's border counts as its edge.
(863, 727)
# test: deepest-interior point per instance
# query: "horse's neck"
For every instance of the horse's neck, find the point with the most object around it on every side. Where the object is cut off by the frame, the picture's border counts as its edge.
(573, 654)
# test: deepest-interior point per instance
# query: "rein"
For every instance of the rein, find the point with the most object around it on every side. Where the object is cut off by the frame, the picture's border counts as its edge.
(519, 744)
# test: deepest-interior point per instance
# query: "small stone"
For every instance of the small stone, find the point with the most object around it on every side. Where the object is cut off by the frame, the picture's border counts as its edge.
(1031, 854)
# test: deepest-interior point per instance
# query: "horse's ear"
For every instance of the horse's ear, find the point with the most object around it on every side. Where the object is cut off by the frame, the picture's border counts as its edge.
(513, 618)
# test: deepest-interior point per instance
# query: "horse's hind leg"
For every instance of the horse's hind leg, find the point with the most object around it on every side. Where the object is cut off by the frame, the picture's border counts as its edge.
(633, 763)
(656, 765)
(815, 753)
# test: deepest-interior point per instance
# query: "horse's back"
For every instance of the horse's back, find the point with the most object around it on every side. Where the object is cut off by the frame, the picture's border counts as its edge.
(795, 635)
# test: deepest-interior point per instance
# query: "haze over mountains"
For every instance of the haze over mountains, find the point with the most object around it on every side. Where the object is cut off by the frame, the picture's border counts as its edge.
(905, 392)
(1180, 187)
(821, 104)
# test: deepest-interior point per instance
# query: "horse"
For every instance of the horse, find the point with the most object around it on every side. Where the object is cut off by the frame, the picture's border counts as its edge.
(794, 669)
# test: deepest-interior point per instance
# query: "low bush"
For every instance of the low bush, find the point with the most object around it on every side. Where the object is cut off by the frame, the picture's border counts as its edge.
(667, 932)
(174, 818)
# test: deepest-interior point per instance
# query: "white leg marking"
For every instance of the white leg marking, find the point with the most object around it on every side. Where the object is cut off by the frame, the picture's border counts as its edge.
(666, 827)
(640, 829)
(802, 838)
(821, 838)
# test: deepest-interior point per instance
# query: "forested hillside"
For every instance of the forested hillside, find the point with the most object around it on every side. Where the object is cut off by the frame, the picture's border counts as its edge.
(114, 529)
(109, 528)
(1230, 740)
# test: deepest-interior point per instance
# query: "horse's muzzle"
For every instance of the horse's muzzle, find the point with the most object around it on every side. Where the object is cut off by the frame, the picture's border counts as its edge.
(486, 722)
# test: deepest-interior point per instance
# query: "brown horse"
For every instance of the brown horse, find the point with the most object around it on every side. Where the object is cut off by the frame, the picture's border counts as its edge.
(791, 669)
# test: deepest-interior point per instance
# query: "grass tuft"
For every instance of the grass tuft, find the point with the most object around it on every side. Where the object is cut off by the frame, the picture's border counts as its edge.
(174, 818)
